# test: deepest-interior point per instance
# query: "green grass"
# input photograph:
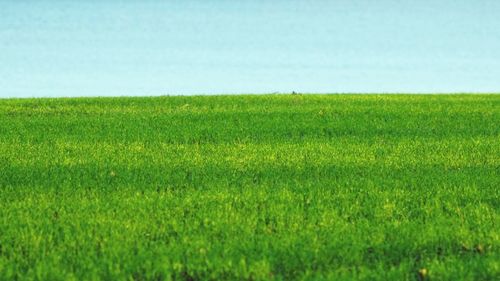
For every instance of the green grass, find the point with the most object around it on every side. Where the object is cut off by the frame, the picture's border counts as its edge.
(337, 187)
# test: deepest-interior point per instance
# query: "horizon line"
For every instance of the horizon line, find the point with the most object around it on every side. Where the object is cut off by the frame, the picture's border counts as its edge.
(248, 94)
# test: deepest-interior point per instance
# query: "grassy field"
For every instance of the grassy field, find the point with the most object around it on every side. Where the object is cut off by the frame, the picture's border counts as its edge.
(336, 187)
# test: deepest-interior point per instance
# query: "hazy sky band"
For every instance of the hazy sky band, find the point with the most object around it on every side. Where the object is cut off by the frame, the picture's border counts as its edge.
(77, 48)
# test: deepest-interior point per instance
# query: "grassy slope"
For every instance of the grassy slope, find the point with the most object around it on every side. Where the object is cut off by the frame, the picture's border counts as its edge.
(250, 187)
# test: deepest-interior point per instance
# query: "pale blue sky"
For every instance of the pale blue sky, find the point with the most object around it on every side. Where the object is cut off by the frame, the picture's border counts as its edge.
(104, 48)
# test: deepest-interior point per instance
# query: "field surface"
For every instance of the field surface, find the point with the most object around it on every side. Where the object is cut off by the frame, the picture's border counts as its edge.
(272, 187)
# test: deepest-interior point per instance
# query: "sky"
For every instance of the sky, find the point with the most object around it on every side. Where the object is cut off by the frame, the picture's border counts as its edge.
(141, 48)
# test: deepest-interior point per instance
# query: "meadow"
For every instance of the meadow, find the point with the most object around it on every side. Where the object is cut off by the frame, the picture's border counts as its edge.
(251, 187)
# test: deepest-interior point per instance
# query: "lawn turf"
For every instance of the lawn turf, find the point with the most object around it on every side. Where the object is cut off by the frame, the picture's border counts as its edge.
(251, 187)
